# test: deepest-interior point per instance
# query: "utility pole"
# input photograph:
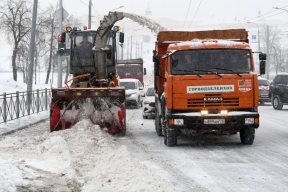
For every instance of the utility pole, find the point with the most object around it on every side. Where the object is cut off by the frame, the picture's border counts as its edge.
(131, 48)
(60, 19)
(268, 51)
(89, 16)
(31, 57)
(127, 49)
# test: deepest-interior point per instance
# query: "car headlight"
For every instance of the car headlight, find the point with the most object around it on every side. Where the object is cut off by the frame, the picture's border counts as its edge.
(131, 94)
(146, 103)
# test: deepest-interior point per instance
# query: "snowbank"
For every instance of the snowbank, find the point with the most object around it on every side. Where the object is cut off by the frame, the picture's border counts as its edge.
(84, 158)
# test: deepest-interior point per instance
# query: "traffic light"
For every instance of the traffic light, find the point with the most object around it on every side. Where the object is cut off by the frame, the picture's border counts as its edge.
(262, 67)
(61, 44)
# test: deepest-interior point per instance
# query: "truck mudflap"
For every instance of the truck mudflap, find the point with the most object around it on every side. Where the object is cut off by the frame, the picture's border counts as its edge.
(103, 106)
(212, 123)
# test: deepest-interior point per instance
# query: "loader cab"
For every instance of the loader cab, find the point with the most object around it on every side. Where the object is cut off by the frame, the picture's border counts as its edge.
(81, 57)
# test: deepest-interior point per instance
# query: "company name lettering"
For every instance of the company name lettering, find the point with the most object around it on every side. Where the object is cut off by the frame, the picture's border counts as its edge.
(220, 88)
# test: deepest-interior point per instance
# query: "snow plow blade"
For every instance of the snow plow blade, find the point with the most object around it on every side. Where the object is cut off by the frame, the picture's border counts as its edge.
(103, 106)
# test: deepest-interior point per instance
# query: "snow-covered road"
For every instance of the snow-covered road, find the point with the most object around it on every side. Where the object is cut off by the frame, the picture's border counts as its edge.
(88, 159)
(217, 162)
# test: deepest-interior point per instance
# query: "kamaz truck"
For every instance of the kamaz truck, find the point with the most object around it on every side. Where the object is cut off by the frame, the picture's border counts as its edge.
(206, 83)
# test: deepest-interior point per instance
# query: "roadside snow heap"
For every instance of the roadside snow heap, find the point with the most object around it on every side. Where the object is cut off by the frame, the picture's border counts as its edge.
(84, 158)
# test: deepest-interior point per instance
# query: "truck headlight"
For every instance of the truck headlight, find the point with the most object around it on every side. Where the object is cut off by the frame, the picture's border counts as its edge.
(249, 120)
(204, 112)
(176, 122)
(223, 112)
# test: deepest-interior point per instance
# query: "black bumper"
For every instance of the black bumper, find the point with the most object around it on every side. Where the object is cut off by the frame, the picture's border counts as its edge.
(233, 121)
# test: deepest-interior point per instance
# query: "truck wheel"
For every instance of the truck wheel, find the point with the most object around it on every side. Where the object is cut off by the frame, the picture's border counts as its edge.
(247, 135)
(170, 137)
(277, 103)
(158, 126)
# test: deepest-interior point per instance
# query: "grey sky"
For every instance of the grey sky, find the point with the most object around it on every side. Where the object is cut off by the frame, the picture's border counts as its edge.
(199, 10)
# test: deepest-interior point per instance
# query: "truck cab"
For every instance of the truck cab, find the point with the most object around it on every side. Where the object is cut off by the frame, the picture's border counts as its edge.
(131, 68)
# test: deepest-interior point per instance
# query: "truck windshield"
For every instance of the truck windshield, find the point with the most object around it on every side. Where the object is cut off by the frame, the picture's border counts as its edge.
(211, 60)
(123, 70)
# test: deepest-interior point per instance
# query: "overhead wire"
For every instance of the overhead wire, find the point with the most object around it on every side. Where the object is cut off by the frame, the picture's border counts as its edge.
(82, 2)
(195, 14)
(186, 14)
(96, 11)
(258, 17)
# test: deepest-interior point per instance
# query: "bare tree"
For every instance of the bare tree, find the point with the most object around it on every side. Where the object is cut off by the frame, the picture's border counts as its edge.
(47, 35)
(15, 18)
(276, 53)
(23, 59)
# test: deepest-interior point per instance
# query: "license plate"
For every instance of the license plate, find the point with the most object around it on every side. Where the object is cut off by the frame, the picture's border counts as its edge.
(214, 121)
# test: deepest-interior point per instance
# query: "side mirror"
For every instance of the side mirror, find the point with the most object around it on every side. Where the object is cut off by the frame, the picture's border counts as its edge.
(156, 59)
(262, 67)
(121, 37)
(156, 69)
(262, 56)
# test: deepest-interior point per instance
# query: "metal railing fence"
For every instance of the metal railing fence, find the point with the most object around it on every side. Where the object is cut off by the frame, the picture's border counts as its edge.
(16, 105)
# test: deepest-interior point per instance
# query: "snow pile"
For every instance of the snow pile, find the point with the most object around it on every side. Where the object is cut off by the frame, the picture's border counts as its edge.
(8, 85)
(84, 158)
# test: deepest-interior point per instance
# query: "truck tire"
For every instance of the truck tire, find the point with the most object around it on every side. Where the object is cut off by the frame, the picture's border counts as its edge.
(277, 104)
(158, 126)
(157, 121)
(247, 135)
(170, 137)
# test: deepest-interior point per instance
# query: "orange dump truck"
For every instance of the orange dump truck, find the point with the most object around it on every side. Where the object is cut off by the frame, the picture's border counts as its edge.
(206, 82)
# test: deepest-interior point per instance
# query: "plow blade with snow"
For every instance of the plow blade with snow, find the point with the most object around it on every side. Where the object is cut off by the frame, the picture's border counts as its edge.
(103, 106)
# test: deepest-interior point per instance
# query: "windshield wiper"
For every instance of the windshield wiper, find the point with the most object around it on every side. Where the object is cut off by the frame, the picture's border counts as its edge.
(208, 72)
(205, 71)
(188, 71)
(229, 70)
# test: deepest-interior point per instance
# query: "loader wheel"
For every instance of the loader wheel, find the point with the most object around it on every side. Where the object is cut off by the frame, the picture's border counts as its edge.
(247, 135)
(277, 104)
(170, 137)
(55, 124)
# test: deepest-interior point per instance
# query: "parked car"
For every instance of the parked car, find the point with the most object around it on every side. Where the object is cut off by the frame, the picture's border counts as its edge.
(278, 91)
(263, 84)
(133, 91)
(149, 104)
